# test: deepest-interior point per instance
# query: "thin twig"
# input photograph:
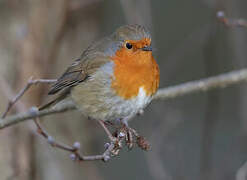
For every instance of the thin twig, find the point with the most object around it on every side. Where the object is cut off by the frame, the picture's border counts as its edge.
(74, 150)
(23, 90)
(51, 140)
(220, 81)
(9, 93)
(112, 148)
(231, 22)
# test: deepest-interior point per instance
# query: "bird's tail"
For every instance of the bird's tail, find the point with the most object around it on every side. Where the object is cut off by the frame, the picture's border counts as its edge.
(59, 98)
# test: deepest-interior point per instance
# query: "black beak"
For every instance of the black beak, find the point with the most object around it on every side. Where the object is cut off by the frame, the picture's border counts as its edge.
(147, 48)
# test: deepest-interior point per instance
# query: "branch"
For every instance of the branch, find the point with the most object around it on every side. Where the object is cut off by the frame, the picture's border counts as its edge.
(14, 119)
(231, 22)
(203, 85)
(220, 81)
(22, 92)
(10, 96)
(110, 148)
(242, 172)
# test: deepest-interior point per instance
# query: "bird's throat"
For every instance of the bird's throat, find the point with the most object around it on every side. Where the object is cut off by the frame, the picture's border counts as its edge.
(133, 73)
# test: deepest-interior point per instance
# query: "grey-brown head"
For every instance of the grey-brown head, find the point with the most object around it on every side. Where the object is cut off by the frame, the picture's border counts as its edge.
(125, 36)
(131, 32)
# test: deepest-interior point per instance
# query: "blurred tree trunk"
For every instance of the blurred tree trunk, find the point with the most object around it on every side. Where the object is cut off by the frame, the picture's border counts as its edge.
(238, 37)
(34, 62)
(208, 126)
(213, 61)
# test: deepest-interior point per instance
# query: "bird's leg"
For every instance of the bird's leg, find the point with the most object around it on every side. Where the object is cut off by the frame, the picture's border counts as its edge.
(117, 139)
(109, 134)
(131, 134)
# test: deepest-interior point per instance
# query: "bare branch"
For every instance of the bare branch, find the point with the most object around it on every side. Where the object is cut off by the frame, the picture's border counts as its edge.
(112, 149)
(23, 90)
(8, 92)
(231, 22)
(220, 81)
(74, 150)
(202, 85)
(242, 172)
(11, 120)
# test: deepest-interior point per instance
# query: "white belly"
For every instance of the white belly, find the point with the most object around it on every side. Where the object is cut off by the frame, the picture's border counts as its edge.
(129, 108)
(142, 100)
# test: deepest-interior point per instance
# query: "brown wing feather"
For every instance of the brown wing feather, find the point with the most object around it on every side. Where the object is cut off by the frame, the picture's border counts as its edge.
(72, 76)
(79, 71)
(92, 58)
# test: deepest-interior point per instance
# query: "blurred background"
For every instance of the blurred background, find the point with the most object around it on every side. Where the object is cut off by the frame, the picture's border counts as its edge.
(196, 137)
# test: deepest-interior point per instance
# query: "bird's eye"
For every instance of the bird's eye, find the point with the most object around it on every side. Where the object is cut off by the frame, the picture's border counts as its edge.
(128, 45)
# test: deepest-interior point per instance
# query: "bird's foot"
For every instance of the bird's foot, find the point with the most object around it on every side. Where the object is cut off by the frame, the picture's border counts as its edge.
(131, 137)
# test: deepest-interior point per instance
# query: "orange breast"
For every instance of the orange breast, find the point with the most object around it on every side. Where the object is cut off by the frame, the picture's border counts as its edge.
(133, 70)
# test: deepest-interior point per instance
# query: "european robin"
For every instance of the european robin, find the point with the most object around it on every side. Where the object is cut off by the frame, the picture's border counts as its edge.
(114, 78)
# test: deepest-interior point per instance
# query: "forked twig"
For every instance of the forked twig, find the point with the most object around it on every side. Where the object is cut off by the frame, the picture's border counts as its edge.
(219, 81)
(9, 93)
(23, 90)
(112, 148)
(203, 85)
(231, 22)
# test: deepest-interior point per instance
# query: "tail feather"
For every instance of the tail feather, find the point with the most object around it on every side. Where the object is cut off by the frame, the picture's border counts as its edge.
(60, 97)
(47, 105)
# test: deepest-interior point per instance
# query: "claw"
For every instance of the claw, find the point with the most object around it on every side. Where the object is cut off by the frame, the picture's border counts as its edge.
(129, 141)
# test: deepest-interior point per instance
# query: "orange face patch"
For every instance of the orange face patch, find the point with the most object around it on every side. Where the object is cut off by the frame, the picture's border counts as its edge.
(135, 68)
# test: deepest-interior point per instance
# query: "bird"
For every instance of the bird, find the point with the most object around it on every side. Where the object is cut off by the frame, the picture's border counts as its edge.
(114, 78)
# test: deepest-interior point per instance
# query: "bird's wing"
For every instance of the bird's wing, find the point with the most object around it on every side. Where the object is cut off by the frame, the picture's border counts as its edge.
(79, 71)
(73, 75)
